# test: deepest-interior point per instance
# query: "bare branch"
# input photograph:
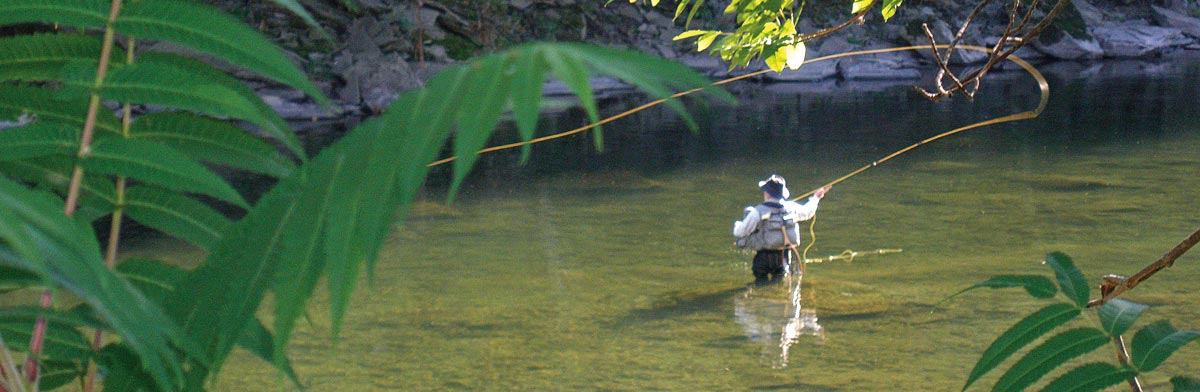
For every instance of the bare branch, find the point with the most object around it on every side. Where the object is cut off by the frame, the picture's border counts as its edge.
(1015, 36)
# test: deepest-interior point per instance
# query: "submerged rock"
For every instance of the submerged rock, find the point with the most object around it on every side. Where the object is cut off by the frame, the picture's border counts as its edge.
(609, 182)
(1059, 183)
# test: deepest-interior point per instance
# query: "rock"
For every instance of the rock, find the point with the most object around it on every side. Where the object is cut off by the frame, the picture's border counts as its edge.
(881, 66)
(374, 80)
(1091, 15)
(360, 40)
(1056, 43)
(876, 69)
(808, 73)
(1138, 41)
(1169, 18)
(293, 109)
(520, 4)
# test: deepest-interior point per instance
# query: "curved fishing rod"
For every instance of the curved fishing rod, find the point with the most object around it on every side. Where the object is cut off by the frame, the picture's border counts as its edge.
(1043, 86)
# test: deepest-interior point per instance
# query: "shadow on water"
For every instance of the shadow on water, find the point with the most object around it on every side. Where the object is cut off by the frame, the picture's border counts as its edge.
(674, 304)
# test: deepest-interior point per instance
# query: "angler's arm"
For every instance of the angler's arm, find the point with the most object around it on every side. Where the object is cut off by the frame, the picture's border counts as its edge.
(748, 223)
(807, 210)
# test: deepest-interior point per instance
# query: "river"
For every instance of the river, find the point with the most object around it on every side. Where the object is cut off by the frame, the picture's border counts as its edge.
(616, 271)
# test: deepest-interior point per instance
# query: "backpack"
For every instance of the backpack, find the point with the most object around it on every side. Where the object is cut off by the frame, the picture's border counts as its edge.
(778, 228)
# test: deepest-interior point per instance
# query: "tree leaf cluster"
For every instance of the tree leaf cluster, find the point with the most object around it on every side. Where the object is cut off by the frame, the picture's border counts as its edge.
(766, 29)
(1151, 345)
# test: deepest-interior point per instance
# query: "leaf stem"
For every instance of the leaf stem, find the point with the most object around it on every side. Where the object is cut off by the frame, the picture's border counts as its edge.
(114, 232)
(72, 201)
(1123, 356)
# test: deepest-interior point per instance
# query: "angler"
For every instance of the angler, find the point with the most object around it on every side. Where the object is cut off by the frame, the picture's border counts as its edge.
(772, 229)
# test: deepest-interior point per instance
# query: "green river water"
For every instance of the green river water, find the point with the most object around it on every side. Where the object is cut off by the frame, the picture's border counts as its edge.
(615, 271)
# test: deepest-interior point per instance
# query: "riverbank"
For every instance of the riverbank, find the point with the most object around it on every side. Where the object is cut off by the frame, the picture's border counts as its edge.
(385, 47)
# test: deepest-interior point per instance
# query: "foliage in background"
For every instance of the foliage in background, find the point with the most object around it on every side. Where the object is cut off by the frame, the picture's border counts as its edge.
(324, 219)
(766, 29)
(1151, 345)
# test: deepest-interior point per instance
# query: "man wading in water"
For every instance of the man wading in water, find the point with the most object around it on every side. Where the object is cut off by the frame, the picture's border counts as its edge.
(772, 229)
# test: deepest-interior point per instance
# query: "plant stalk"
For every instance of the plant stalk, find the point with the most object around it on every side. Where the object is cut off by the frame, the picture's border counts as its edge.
(1123, 357)
(114, 232)
(72, 201)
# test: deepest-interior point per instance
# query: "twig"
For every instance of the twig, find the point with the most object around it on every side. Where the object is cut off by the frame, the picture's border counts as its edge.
(1121, 285)
(1006, 45)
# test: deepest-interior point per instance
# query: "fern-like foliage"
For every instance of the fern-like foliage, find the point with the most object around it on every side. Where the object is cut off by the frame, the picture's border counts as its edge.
(48, 83)
(325, 218)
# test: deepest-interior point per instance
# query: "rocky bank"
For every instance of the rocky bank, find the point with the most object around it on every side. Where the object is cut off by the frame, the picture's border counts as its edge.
(383, 47)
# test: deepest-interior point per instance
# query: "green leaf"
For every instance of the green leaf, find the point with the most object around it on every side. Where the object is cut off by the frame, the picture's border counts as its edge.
(154, 163)
(1049, 355)
(97, 196)
(62, 340)
(775, 58)
(196, 25)
(207, 29)
(1090, 377)
(1019, 335)
(1185, 384)
(571, 71)
(1070, 280)
(399, 144)
(54, 374)
(40, 57)
(527, 85)
(39, 238)
(156, 279)
(655, 76)
(689, 34)
(706, 40)
(208, 140)
(38, 139)
(175, 214)
(889, 9)
(42, 104)
(297, 9)
(1118, 315)
(258, 340)
(15, 279)
(180, 83)
(1036, 285)
(1154, 343)
(261, 114)
(860, 5)
(121, 371)
(488, 96)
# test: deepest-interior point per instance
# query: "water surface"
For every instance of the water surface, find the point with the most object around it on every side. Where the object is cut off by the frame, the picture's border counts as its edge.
(616, 270)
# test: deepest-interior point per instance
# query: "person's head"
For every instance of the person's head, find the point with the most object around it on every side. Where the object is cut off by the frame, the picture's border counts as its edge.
(774, 187)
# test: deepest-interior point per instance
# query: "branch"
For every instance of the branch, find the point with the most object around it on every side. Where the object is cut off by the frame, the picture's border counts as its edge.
(1009, 42)
(1114, 286)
